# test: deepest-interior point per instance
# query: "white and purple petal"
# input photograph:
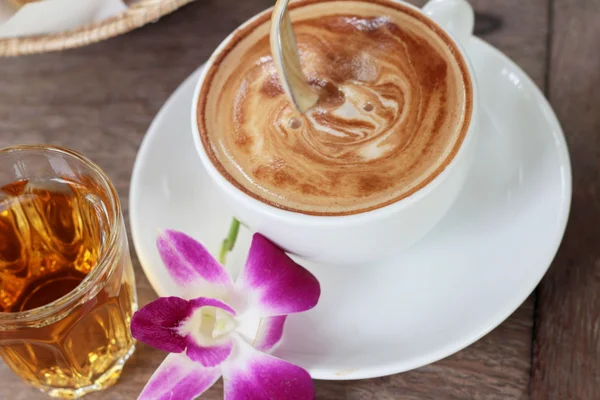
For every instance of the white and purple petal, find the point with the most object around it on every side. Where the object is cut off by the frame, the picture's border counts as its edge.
(200, 302)
(270, 332)
(209, 356)
(274, 283)
(179, 378)
(259, 376)
(158, 323)
(202, 347)
(191, 265)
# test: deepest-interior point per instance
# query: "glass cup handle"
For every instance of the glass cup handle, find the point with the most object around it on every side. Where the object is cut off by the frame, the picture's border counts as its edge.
(456, 16)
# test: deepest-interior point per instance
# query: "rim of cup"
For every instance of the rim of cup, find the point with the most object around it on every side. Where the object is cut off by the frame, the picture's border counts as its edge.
(361, 216)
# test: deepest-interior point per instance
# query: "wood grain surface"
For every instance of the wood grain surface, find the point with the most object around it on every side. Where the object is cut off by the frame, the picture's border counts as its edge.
(100, 100)
(567, 335)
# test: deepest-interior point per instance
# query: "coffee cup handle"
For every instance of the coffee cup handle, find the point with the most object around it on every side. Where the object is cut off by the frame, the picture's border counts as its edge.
(456, 16)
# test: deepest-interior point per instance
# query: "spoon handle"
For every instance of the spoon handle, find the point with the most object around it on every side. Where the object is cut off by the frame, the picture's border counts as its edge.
(287, 60)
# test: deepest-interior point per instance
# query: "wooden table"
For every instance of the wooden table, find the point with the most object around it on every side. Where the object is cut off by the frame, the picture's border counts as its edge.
(100, 100)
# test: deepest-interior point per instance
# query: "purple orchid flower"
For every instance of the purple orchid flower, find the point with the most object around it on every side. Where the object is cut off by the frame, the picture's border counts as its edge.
(204, 335)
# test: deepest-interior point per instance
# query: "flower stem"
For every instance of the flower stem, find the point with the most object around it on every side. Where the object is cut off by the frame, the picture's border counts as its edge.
(229, 241)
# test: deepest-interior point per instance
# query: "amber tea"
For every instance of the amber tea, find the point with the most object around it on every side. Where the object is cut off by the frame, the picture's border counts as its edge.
(55, 239)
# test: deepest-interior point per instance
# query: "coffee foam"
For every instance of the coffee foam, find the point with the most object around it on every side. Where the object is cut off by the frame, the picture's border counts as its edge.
(395, 101)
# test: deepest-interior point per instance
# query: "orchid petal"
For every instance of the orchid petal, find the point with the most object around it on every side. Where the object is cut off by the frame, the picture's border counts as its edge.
(208, 302)
(199, 330)
(269, 332)
(274, 282)
(179, 378)
(190, 264)
(259, 376)
(209, 356)
(157, 324)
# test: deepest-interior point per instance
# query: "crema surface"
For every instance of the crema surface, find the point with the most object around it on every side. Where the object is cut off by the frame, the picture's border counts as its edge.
(393, 110)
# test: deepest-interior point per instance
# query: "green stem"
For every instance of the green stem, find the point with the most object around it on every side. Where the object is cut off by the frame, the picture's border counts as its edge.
(229, 241)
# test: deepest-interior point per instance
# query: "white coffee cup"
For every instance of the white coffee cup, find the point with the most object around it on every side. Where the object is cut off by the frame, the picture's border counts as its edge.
(370, 235)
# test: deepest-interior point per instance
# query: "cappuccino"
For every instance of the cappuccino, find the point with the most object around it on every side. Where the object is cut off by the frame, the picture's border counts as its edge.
(395, 102)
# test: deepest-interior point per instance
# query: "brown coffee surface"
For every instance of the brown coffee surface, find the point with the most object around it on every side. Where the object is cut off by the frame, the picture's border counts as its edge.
(395, 100)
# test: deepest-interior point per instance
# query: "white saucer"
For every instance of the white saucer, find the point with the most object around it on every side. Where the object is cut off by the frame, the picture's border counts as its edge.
(468, 275)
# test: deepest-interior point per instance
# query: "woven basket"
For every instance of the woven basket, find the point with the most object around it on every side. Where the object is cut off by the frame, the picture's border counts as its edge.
(138, 14)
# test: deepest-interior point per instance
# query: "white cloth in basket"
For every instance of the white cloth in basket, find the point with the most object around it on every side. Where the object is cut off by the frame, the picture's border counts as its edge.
(54, 16)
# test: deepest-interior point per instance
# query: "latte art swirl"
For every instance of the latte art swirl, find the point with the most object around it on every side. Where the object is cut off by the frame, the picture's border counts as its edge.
(391, 114)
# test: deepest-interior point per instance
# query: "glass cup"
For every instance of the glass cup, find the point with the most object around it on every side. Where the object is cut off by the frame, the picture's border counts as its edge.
(67, 288)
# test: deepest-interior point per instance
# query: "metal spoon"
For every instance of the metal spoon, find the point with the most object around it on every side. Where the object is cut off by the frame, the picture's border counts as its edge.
(287, 60)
